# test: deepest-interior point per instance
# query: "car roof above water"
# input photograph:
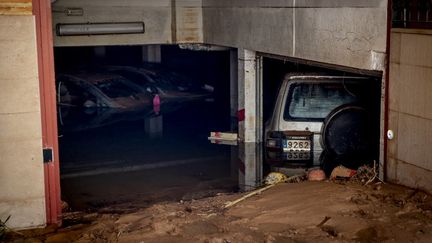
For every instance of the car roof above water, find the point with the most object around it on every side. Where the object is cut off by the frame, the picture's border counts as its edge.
(93, 77)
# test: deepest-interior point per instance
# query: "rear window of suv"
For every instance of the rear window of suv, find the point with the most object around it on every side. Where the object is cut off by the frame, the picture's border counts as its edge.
(314, 101)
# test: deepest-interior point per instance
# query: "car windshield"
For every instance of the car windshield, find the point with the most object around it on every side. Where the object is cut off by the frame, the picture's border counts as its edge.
(174, 81)
(317, 100)
(134, 76)
(116, 87)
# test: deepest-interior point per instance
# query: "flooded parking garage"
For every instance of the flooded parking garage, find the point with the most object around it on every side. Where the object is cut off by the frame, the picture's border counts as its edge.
(167, 156)
(143, 157)
(342, 35)
(354, 34)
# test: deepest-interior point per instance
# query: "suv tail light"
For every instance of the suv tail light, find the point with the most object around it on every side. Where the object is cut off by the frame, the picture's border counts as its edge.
(274, 141)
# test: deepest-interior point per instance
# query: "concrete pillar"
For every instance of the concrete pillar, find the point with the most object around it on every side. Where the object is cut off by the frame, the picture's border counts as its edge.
(250, 169)
(247, 96)
(152, 53)
(234, 89)
(234, 109)
(250, 151)
(154, 126)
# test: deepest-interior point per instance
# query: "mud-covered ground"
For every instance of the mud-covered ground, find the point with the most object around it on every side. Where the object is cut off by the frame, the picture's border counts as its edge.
(301, 212)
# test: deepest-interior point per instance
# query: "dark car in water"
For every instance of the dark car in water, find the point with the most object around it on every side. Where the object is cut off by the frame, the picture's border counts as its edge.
(91, 99)
(171, 87)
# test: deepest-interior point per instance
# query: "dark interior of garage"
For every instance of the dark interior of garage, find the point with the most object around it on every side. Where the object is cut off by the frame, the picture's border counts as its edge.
(144, 157)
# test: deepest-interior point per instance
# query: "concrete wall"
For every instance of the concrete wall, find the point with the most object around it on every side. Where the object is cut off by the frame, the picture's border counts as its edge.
(16, 7)
(156, 15)
(166, 21)
(409, 153)
(189, 21)
(21, 166)
(347, 33)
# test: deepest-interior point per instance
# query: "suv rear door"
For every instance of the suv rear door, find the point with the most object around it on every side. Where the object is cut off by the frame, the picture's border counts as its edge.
(303, 104)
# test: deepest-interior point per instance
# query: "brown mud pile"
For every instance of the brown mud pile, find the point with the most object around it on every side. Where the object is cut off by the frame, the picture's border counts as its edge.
(301, 212)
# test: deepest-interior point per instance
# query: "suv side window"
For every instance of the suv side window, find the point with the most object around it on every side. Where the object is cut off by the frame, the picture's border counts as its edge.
(314, 101)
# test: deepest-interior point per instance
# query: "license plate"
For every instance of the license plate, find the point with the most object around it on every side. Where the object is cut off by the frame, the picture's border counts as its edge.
(296, 145)
(298, 155)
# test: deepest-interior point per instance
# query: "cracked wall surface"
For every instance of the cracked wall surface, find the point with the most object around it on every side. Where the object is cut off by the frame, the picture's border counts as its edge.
(336, 32)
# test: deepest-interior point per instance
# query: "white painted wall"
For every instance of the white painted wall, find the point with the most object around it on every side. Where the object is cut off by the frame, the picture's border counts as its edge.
(409, 157)
(22, 193)
(247, 95)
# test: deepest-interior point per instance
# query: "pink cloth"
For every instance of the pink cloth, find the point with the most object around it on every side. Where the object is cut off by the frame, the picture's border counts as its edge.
(156, 104)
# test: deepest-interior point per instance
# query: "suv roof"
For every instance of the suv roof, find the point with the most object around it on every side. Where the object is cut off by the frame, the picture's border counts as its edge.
(317, 76)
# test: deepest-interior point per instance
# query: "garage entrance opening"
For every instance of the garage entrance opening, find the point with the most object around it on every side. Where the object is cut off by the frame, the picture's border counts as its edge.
(319, 117)
(134, 131)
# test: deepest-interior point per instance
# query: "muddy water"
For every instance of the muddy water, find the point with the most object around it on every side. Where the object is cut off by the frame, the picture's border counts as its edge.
(145, 187)
(122, 165)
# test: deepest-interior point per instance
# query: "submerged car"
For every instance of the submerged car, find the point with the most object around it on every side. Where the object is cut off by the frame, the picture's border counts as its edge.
(88, 100)
(170, 86)
(317, 113)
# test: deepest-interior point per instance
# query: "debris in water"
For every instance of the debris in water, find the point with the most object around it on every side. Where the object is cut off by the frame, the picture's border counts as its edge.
(341, 172)
(271, 180)
(296, 178)
(369, 234)
(366, 174)
(274, 177)
(329, 230)
(188, 209)
(3, 228)
(326, 218)
(316, 175)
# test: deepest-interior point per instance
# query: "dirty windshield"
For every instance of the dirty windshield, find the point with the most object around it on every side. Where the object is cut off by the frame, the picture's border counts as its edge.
(116, 87)
(317, 100)
(174, 81)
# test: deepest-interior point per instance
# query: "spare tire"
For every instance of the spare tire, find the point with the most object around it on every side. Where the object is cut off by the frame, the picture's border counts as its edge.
(348, 130)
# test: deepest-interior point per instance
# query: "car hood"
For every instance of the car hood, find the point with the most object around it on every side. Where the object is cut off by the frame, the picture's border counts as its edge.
(132, 102)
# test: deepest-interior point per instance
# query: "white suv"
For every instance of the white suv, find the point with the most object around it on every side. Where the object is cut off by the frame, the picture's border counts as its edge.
(293, 134)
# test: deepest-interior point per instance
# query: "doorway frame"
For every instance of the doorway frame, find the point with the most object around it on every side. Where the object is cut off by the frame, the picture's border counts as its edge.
(45, 52)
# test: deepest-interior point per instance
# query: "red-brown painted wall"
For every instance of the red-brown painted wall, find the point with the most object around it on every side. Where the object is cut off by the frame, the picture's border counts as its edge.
(42, 12)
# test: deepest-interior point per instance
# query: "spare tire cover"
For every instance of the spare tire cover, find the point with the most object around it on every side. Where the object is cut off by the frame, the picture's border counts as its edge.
(347, 130)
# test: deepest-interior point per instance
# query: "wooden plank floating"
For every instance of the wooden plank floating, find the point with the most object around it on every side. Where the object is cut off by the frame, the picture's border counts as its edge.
(15, 7)
(225, 138)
